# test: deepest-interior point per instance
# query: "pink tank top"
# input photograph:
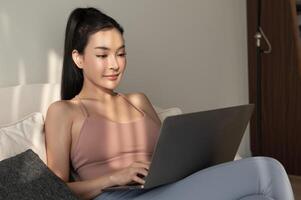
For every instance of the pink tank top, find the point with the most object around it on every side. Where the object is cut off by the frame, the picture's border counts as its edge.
(105, 146)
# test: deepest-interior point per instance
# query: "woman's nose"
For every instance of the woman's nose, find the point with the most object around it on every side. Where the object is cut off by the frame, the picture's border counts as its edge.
(113, 63)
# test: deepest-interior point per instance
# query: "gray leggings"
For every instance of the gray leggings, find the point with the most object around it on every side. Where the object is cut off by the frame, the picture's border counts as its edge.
(259, 178)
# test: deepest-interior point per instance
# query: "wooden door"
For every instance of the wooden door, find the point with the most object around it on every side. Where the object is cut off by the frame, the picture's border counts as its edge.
(281, 84)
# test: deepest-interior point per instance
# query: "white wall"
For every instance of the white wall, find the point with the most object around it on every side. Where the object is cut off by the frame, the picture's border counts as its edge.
(191, 54)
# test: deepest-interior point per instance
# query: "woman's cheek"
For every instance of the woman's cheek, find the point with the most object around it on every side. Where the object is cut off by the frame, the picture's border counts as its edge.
(122, 63)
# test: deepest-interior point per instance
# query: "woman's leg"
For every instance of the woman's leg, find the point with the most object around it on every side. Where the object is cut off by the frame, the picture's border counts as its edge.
(251, 178)
(261, 176)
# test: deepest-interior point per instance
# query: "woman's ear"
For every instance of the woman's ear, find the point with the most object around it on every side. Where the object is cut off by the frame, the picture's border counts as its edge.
(77, 58)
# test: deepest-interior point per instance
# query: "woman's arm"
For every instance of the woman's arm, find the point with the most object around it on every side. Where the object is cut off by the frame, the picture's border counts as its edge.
(58, 124)
(91, 188)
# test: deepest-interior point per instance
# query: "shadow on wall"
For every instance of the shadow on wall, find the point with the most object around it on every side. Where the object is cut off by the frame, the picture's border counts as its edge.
(30, 44)
(22, 100)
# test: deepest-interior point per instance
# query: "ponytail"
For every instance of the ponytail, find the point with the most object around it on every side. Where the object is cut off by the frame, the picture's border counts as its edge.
(82, 23)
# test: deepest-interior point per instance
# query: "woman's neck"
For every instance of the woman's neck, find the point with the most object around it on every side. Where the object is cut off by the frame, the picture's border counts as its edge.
(100, 94)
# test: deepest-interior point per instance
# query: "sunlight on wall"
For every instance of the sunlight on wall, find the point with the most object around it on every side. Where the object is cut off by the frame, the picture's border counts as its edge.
(21, 72)
(49, 93)
(15, 105)
(54, 67)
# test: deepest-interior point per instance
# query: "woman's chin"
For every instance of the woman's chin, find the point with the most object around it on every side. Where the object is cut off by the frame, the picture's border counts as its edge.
(112, 86)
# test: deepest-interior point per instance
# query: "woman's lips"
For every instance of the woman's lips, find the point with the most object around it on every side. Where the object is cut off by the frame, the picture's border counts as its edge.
(112, 77)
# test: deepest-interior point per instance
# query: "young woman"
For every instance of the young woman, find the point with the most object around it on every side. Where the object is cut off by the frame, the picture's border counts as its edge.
(108, 138)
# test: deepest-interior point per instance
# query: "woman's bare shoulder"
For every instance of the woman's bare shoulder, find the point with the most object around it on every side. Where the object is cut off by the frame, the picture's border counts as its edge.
(140, 100)
(62, 108)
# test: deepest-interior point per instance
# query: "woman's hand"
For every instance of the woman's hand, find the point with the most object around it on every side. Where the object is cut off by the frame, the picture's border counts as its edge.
(132, 173)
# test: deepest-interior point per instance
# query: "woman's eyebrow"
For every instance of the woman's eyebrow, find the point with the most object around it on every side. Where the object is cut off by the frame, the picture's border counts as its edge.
(107, 48)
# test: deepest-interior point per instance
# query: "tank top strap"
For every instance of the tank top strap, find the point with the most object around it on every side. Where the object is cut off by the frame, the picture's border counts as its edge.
(82, 106)
(140, 110)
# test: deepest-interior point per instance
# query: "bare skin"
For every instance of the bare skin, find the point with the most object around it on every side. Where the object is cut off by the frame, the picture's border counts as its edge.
(64, 118)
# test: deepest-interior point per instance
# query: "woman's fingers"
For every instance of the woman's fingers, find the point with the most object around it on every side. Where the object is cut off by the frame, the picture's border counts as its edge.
(142, 171)
(138, 180)
(138, 174)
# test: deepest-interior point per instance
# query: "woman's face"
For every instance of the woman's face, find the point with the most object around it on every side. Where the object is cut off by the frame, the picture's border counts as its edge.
(103, 57)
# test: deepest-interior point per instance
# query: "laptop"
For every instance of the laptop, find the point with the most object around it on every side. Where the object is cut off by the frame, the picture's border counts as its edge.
(194, 141)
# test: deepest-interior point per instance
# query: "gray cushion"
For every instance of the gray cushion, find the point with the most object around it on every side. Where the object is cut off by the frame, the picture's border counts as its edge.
(25, 176)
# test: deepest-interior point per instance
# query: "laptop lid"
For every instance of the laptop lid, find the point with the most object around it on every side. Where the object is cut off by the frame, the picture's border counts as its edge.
(194, 141)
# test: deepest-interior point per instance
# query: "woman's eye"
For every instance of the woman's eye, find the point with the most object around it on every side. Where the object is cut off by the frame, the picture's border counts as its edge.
(122, 54)
(101, 56)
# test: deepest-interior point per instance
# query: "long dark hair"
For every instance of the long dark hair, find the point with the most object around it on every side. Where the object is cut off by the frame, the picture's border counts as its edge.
(82, 23)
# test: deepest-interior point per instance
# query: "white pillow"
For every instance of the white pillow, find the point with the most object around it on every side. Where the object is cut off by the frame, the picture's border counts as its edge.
(26, 133)
(163, 113)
